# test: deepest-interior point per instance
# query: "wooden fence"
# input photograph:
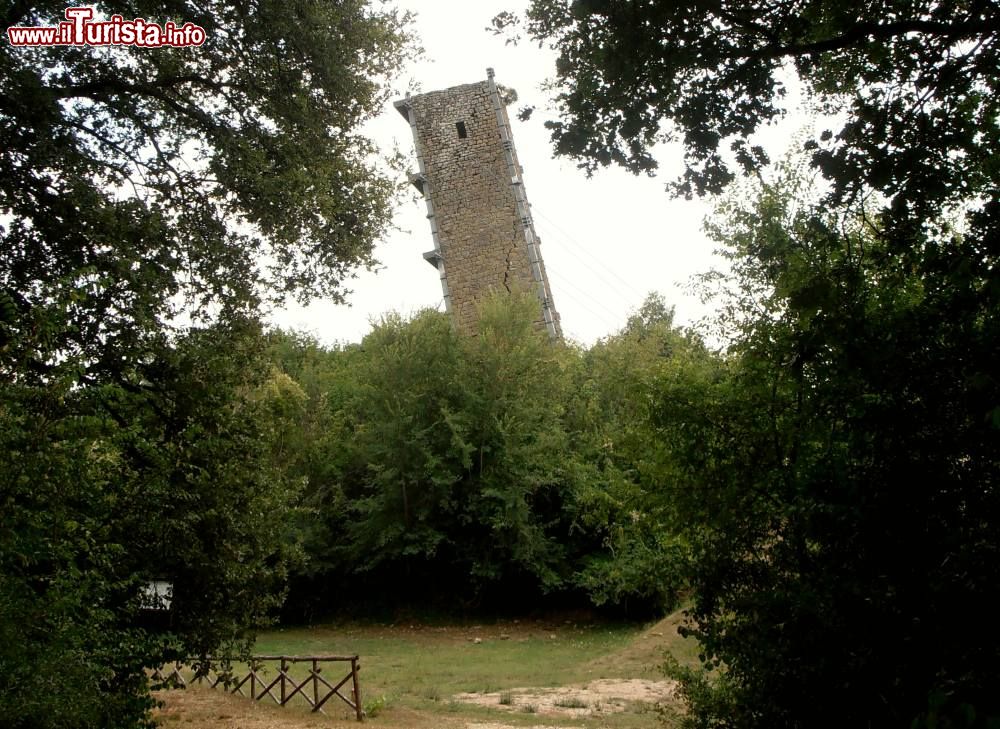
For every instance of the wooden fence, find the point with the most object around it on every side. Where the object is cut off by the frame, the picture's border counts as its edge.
(260, 684)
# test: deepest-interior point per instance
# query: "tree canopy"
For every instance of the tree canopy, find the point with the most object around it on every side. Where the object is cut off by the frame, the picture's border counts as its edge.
(916, 81)
(141, 188)
(843, 501)
(136, 182)
(496, 471)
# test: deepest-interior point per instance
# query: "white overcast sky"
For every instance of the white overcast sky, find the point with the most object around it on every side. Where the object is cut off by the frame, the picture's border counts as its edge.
(606, 241)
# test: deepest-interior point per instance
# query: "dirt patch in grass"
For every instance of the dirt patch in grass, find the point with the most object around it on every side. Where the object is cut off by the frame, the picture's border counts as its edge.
(601, 696)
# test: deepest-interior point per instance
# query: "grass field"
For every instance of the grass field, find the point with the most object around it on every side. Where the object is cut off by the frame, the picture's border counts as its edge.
(468, 676)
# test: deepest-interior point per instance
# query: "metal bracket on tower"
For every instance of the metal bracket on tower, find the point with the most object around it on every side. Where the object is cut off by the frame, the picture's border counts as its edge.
(418, 180)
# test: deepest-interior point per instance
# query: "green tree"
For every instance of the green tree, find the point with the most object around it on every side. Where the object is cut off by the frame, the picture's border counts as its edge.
(843, 497)
(318, 453)
(520, 463)
(915, 82)
(229, 173)
(458, 471)
(627, 502)
(405, 463)
(107, 487)
(138, 186)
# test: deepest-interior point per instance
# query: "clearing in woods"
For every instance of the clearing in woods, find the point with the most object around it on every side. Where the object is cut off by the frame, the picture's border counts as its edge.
(526, 673)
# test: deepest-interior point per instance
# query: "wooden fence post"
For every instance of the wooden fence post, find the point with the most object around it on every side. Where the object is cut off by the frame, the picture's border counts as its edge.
(357, 690)
(284, 669)
(315, 676)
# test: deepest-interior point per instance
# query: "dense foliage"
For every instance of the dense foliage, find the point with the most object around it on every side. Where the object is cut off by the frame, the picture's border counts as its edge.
(487, 471)
(106, 488)
(842, 476)
(916, 81)
(843, 481)
(140, 188)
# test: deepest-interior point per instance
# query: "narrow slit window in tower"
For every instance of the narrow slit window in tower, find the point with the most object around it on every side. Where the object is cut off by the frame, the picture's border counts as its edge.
(462, 133)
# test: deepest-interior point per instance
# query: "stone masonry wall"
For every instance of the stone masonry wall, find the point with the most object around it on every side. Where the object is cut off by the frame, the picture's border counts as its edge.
(473, 204)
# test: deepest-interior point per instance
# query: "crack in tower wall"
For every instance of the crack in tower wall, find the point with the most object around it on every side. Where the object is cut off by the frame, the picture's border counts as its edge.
(475, 200)
(506, 273)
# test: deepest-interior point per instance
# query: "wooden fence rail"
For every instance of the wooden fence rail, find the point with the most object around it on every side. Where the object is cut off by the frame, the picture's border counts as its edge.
(260, 684)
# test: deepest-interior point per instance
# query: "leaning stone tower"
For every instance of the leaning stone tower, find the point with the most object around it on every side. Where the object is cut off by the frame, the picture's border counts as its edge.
(480, 218)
